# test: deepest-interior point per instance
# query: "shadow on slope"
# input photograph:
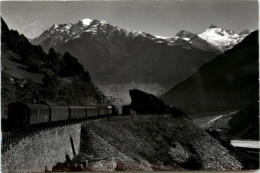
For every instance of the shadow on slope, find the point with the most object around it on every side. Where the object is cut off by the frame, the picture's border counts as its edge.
(228, 82)
(245, 124)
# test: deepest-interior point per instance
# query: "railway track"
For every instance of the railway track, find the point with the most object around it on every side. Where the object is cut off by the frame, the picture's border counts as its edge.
(10, 138)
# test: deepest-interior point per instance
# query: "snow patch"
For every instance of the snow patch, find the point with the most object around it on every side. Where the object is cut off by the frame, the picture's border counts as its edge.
(161, 37)
(56, 26)
(86, 21)
(187, 39)
(68, 26)
(103, 22)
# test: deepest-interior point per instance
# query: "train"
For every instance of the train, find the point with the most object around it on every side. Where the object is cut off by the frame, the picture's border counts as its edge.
(21, 115)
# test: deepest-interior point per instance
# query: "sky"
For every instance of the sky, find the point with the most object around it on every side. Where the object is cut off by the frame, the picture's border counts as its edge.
(161, 17)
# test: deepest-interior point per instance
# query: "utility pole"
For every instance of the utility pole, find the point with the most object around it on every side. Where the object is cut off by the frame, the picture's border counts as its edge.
(38, 93)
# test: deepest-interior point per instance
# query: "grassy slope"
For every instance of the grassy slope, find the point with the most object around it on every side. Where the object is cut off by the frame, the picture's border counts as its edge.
(168, 143)
(10, 63)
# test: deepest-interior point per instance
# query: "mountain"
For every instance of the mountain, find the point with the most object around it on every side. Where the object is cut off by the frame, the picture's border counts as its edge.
(213, 39)
(114, 55)
(230, 81)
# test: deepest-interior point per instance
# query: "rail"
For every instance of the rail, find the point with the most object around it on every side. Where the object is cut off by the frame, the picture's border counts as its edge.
(12, 138)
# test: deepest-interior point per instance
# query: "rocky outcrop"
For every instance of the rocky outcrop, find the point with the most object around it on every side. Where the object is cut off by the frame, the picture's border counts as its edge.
(144, 103)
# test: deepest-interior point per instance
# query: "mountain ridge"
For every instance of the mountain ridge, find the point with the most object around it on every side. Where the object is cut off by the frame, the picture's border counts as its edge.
(115, 55)
(214, 39)
(230, 81)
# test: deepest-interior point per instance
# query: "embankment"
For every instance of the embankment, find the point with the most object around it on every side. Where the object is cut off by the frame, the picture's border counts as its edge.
(157, 143)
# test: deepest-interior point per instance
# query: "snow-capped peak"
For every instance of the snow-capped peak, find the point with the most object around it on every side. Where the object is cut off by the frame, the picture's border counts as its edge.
(62, 33)
(86, 21)
(213, 39)
(220, 38)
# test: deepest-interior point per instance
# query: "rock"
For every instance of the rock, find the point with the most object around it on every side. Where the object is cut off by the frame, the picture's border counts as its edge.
(144, 103)
(103, 165)
(179, 153)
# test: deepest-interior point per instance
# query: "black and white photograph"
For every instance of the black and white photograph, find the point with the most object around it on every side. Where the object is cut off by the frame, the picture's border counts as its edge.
(133, 85)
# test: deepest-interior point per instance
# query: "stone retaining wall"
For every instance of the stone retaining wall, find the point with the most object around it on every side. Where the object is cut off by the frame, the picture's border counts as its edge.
(41, 151)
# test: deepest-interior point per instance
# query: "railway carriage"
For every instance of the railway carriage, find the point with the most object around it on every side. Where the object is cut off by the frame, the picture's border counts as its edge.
(92, 111)
(21, 115)
(59, 113)
(26, 114)
(77, 112)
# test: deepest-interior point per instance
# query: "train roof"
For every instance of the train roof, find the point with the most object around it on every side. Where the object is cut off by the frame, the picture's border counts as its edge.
(58, 106)
(91, 106)
(77, 107)
(29, 105)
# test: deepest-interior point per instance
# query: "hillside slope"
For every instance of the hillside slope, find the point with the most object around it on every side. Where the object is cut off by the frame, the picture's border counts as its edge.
(167, 143)
(230, 81)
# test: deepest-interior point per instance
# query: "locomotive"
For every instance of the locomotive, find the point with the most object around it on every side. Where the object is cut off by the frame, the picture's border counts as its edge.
(22, 115)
